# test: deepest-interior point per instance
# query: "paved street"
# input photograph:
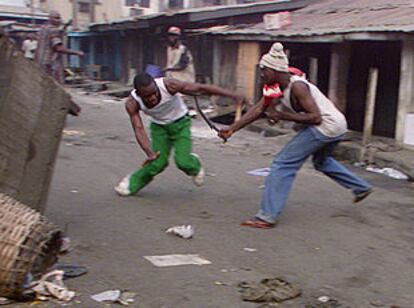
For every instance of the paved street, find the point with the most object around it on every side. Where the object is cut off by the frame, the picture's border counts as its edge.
(323, 243)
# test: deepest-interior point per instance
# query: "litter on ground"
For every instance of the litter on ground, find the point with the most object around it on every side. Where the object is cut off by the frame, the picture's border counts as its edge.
(259, 172)
(71, 271)
(176, 260)
(390, 172)
(269, 290)
(72, 132)
(115, 296)
(51, 285)
(184, 231)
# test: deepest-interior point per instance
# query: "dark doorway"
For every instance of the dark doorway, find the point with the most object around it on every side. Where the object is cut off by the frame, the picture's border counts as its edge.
(386, 57)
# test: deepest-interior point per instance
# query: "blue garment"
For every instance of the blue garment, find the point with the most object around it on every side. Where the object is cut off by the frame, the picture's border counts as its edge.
(309, 141)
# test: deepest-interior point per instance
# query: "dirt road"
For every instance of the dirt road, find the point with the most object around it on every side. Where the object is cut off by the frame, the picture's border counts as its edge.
(325, 245)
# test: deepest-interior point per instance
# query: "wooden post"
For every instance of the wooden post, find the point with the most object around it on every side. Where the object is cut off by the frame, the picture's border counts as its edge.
(238, 112)
(369, 109)
(313, 70)
(338, 74)
(248, 54)
(406, 90)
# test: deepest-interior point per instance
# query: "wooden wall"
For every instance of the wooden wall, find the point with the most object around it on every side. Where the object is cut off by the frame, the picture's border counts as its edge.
(225, 55)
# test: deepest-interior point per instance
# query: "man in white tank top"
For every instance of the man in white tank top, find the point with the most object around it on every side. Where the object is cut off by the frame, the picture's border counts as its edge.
(170, 128)
(323, 126)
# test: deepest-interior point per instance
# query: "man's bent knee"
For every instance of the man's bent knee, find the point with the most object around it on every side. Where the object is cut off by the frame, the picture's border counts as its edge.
(157, 166)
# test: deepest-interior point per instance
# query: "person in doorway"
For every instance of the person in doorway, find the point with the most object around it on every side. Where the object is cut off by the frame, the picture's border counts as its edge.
(170, 128)
(322, 127)
(29, 46)
(50, 51)
(180, 63)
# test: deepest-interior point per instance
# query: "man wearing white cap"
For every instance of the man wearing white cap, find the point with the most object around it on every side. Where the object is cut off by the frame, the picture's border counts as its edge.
(323, 126)
(180, 64)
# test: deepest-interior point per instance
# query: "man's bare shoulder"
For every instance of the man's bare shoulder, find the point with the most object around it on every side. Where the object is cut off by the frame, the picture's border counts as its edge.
(173, 85)
(131, 105)
(300, 86)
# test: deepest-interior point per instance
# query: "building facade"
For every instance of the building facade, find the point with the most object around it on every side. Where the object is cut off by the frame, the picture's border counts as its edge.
(337, 44)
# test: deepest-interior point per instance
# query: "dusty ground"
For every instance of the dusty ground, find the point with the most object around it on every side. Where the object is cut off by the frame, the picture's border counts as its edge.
(358, 255)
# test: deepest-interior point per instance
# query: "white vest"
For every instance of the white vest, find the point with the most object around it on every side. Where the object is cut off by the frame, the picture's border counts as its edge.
(333, 121)
(169, 109)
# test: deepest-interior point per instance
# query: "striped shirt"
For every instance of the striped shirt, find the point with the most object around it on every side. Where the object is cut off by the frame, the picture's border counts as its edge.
(49, 60)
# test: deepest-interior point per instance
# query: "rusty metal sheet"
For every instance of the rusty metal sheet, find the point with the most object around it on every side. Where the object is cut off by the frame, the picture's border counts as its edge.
(329, 17)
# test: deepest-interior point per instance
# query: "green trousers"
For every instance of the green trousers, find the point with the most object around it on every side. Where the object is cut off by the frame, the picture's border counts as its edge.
(175, 135)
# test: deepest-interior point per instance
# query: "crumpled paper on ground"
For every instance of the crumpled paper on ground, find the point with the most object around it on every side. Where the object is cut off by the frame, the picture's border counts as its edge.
(390, 172)
(185, 231)
(269, 290)
(115, 296)
(51, 285)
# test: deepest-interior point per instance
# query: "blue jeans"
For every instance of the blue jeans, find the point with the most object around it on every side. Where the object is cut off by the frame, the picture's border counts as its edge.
(309, 141)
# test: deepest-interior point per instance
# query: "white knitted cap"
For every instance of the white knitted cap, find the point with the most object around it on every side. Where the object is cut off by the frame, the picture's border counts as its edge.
(276, 59)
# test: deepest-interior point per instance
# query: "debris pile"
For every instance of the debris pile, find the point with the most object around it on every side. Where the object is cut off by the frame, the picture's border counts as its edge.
(269, 290)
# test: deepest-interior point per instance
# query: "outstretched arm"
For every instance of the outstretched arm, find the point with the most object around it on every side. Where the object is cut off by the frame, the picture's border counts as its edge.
(138, 126)
(249, 117)
(175, 86)
(62, 49)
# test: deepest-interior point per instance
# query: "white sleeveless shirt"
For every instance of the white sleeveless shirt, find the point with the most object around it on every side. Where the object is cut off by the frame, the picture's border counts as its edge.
(169, 109)
(333, 122)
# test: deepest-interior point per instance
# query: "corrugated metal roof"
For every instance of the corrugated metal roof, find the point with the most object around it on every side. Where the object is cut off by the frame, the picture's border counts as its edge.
(330, 17)
(199, 14)
(14, 26)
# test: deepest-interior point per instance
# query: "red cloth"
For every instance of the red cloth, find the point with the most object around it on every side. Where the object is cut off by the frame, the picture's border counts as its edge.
(273, 91)
(296, 71)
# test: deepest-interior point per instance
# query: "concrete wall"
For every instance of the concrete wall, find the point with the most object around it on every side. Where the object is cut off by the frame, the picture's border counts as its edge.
(105, 10)
(33, 109)
(62, 6)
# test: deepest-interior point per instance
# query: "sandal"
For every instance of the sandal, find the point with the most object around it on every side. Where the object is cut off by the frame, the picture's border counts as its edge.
(257, 223)
(361, 196)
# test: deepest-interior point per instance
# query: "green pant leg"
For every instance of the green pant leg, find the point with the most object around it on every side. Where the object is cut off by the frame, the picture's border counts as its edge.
(181, 138)
(160, 142)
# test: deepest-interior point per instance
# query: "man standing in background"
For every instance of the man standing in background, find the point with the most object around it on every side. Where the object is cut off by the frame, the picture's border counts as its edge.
(180, 63)
(50, 51)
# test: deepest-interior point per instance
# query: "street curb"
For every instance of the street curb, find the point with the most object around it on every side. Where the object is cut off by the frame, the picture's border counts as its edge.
(347, 150)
